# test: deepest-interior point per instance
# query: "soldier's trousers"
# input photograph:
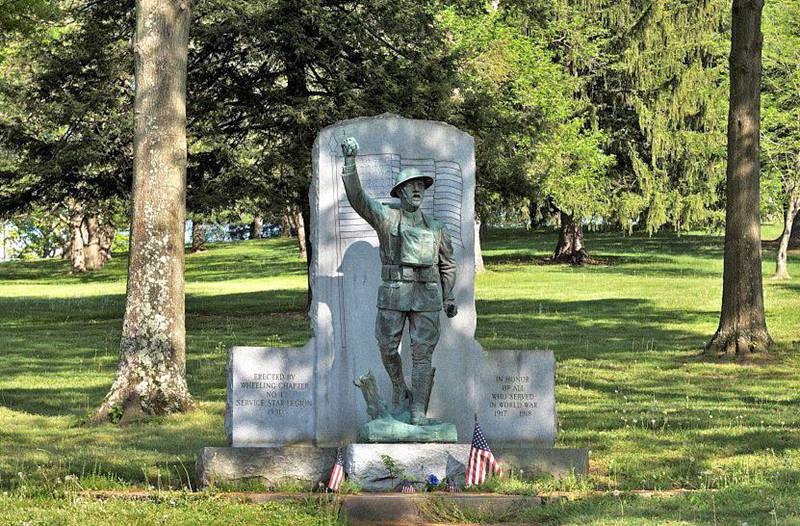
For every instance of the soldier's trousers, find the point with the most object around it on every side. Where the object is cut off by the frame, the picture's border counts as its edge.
(423, 328)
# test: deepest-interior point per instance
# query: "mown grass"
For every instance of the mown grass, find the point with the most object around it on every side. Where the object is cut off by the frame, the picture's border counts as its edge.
(632, 384)
(167, 508)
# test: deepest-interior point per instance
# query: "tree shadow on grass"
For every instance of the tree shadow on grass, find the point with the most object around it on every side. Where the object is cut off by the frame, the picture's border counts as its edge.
(45, 340)
(59, 401)
(789, 286)
(523, 257)
(739, 505)
(20, 311)
(598, 243)
(751, 441)
(226, 268)
(222, 262)
(645, 265)
(603, 328)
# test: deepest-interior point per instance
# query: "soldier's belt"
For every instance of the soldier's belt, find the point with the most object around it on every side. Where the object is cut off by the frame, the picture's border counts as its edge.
(402, 273)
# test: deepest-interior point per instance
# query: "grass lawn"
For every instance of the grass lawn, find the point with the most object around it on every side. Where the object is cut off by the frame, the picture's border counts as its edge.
(631, 383)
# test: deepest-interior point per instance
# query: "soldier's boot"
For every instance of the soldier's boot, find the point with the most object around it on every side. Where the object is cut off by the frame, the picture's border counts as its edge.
(401, 396)
(420, 384)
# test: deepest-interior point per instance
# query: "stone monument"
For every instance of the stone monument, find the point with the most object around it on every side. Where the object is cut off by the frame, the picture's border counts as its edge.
(418, 273)
(305, 397)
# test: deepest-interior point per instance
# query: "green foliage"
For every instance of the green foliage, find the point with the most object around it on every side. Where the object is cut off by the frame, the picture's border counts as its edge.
(533, 139)
(266, 76)
(390, 464)
(66, 132)
(23, 16)
(661, 96)
(780, 112)
(40, 234)
(115, 415)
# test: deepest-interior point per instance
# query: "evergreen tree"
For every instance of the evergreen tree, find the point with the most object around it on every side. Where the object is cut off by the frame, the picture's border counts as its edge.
(24, 16)
(65, 134)
(265, 76)
(672, 70)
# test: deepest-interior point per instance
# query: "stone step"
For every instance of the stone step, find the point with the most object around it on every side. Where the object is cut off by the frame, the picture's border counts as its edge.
(430, 508)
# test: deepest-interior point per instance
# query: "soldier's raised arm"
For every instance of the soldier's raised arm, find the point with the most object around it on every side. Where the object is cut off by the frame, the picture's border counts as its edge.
(372, 210)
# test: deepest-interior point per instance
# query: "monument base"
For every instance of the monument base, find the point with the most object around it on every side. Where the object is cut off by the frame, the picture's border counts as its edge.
(365, 465)
(271, 466)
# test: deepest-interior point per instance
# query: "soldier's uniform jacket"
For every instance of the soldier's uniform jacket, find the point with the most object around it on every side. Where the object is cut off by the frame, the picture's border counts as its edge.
(418, 268)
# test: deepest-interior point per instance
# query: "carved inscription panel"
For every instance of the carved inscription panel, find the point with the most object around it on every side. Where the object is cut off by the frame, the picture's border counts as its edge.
(513, 397)
(277, 393)
(517, 397)
(270, 396)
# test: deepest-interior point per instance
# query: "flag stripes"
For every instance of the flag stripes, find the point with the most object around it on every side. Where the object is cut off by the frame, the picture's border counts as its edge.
(337, 475)
(481, 462)
(408, 487)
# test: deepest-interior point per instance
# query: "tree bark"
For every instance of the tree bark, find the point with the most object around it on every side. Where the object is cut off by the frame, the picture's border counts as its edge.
(198, 236)
(257, 227)
(92, 250)
(794, 238)
(781, 268)
(376, 406)
(75, 250)
(286, 226)
(479, 266)
(107, 234)
(306, 212)
(570, 242)
(300, 227)
(533, 215)
(742, 327)
(151, 377)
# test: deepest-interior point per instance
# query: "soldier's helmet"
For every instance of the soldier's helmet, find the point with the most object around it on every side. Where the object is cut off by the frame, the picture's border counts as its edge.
(408, 174)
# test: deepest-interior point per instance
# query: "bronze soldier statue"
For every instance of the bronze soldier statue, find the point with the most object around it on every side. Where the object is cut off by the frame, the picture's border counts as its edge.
(418, 273)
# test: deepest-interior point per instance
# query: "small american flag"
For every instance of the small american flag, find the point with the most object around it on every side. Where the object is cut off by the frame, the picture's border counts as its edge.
(407, 487)
(337, 475)
(481, 460)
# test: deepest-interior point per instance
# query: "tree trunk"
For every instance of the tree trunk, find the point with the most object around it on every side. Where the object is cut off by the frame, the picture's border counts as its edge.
(570, 242)
(376, 406)
(781, 268)
(76, 252)
(107, 234)
(533, 215)
(94, 255)
(257, 227)
(286, 226)
(300, 227)
(742, 327)
(479, 266)
(198, 236)
(306, 212)
(151, 378)
(794, 239)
